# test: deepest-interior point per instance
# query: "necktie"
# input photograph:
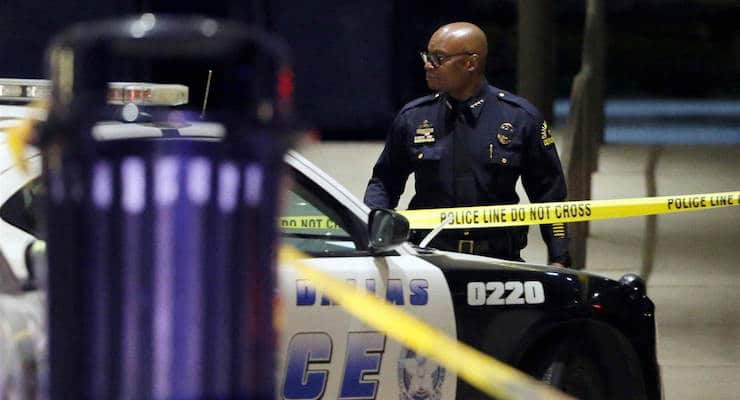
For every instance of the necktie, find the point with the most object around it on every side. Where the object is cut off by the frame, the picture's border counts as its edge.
(464, 186)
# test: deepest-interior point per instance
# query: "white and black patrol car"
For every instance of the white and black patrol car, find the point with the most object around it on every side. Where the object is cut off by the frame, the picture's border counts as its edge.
(590, 336)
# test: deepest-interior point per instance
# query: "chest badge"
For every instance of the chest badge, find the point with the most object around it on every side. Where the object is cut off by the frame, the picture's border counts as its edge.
(424, 133)
(505, 133)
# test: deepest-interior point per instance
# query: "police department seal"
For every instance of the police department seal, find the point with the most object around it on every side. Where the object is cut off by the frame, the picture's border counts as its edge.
(419, 377)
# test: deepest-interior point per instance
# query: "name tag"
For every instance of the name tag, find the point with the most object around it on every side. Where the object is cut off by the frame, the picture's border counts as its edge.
(424, 139)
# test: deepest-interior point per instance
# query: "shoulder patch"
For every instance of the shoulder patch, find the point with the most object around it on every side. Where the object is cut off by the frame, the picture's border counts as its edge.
(420, 102)
(546, 135)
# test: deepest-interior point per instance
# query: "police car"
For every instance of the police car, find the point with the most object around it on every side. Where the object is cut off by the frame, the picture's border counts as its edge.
(588, 335)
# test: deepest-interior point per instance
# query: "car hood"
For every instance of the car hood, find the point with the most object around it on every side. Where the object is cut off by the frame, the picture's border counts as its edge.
(573, 287)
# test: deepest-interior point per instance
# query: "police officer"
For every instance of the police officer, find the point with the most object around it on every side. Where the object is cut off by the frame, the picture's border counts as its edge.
(467, 145)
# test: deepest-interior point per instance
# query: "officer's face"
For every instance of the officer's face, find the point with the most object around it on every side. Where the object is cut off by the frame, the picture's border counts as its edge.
(449, 74)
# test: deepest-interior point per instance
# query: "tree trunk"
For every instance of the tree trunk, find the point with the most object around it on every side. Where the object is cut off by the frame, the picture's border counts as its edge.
(586, 121)
(535, 55)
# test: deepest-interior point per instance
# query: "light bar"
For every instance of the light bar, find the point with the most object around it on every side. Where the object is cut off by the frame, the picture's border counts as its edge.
(149, 94)
(146, 94)
(24, 89)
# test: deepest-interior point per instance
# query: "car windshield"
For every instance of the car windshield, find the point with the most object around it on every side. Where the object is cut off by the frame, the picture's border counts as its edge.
(315, 223)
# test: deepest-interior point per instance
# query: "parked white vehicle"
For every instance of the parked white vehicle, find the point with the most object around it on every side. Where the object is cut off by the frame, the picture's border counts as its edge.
(586, 334)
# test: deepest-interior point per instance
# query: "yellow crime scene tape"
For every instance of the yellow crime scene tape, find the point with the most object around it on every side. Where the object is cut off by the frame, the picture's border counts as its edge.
(568, 211)
(308, 222)
(483, 372)
(20, 136)
(542, 213)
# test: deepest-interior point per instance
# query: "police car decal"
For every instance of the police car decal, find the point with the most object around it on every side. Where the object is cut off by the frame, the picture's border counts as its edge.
(326, 353)
(419, 377)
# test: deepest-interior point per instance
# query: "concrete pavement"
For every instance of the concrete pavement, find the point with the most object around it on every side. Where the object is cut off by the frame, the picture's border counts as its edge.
(696, 278)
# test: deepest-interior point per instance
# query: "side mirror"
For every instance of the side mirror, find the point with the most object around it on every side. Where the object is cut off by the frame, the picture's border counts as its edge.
(36, 265)
(387, 229)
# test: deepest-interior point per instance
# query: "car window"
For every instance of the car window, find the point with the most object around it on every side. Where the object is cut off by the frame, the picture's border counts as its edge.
(317, 224)
(21, 208)
(20, 211)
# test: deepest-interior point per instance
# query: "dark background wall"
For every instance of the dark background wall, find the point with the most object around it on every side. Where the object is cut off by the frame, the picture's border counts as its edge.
(357, 62)
(343, 59)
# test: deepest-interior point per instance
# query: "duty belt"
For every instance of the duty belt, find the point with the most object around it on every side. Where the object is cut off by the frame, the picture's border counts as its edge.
(472, 246)
(465, 246)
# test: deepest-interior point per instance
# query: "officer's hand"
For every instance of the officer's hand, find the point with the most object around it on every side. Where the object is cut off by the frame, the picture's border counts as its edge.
(557, 264)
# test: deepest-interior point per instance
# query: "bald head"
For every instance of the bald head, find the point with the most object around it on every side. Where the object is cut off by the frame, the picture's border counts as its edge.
(456, 61)
(462, 37)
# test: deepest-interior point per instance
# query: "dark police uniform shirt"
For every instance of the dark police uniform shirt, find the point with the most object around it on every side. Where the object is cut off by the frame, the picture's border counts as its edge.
(471, 153)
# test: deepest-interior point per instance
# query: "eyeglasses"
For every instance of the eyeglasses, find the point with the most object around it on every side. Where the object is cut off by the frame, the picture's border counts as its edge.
(437, 59)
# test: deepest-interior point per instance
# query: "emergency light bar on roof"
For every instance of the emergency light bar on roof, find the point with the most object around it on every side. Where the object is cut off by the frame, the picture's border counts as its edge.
(145, 94)
(24, 89)
(153, 94)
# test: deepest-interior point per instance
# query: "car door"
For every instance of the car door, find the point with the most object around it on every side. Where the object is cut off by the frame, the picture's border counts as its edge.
(323, 351)
(22, 316)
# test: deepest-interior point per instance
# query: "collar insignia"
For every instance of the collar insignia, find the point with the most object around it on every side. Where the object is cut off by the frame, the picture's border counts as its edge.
(424, 133)
(477, 103)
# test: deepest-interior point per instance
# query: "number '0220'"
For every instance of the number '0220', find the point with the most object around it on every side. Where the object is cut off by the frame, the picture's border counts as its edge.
(505, 293)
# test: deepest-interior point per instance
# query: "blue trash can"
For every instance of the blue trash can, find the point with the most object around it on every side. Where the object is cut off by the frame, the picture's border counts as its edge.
(162, 247)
